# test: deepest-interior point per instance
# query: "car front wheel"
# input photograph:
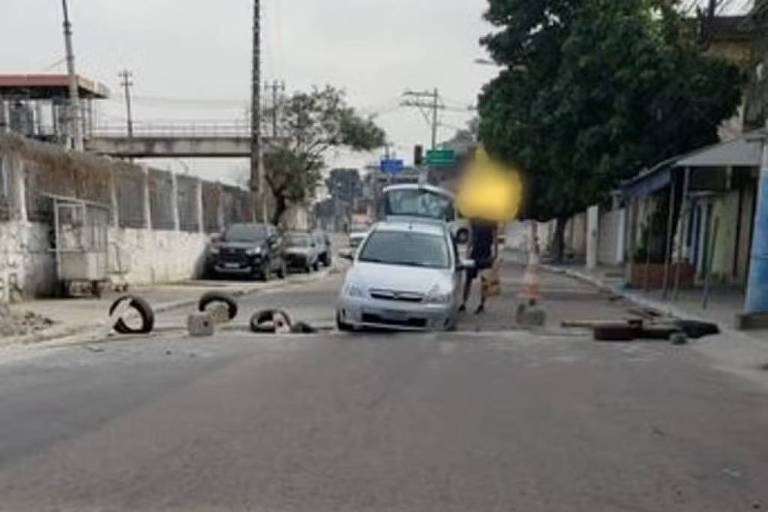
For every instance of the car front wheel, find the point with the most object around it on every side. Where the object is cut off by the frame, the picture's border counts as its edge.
(341, 325)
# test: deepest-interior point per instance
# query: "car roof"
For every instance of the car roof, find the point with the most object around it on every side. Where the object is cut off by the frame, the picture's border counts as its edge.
(414, 186)
(415, 225)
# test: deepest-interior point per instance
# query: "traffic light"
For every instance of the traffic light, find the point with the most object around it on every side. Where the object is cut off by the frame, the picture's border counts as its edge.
(418, 155)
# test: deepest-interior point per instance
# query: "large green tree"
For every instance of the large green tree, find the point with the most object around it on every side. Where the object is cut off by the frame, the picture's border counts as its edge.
(309, 125)
(592, 91)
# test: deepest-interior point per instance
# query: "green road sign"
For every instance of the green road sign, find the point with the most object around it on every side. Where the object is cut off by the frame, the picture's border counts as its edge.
(441, 158)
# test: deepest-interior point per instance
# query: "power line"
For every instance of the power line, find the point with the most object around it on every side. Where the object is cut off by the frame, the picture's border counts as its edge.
(426, 101)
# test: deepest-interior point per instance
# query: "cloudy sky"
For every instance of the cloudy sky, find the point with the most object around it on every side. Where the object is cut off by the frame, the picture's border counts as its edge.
(191, 58)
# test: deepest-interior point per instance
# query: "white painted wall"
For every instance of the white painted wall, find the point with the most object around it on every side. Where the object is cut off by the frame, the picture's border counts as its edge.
(611, 240)
(143, 256)
(593, 232)
(26, 264)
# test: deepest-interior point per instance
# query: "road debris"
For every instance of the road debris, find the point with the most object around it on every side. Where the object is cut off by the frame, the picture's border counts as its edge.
(275, 321)
(120, 308)
(21, 324)
(221, 298)
(200, 325)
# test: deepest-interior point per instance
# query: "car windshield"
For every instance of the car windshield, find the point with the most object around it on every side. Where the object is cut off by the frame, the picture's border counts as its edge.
(419, 203)
(299, 241)
(245, 233)
(406, 248)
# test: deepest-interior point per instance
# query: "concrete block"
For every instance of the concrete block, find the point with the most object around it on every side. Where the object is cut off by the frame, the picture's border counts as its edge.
(531, 315)
(218, 312)
(200, 324)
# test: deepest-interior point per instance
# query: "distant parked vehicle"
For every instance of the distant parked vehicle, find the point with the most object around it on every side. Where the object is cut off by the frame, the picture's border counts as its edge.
(302, 252)
(357, 234)
(324, 247)
(251, 250)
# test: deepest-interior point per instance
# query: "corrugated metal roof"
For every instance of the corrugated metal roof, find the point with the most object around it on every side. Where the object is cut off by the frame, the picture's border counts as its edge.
(745, 151)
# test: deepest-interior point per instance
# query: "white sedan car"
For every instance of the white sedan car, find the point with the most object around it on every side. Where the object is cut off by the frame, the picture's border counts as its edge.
(407, 275)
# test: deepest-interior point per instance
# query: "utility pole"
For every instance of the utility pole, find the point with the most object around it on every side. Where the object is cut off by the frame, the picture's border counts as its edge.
(276, 88)
(74, 95)
(435, 106)
(258, 193)
(429, 104)
(127, 83)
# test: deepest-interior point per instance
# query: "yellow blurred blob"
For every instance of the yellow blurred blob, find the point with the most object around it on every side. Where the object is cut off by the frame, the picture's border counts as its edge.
(490, 190)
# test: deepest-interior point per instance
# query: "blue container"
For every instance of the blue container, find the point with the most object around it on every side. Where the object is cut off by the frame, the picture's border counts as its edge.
(757, 287)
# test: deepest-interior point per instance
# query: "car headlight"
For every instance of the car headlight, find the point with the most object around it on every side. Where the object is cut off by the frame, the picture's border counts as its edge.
(437, 296)
(253, 252)
(354, 291)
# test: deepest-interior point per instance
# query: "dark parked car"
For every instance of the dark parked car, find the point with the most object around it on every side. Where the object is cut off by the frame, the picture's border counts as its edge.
(253, 250)
(324, 248)
(301, 252)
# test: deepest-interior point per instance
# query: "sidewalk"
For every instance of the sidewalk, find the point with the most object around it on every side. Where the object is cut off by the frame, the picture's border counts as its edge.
(563, 298)
(723, 305)
(76, 316)
(741, 352)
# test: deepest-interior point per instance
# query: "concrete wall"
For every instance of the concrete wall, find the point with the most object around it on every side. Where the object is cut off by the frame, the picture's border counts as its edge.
(137, 253)
(26, 263)
(611, 239)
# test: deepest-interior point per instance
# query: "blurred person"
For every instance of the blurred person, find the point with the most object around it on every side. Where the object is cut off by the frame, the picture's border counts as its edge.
(483, 249)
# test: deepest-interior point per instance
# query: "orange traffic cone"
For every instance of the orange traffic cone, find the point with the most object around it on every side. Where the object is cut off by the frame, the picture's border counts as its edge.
(531, 291)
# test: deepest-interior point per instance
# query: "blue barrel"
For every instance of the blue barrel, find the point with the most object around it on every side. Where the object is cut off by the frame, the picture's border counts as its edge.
(757, 288)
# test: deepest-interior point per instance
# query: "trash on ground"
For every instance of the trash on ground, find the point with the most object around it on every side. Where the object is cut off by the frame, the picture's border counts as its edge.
(20, 324)
(676, 331)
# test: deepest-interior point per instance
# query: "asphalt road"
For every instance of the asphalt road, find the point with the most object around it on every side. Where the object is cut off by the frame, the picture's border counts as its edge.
(372, 422)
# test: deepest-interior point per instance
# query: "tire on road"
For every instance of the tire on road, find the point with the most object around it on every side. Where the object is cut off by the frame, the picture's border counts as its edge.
(617, 332)
(145, 312)
(211, 297)
(261, 321)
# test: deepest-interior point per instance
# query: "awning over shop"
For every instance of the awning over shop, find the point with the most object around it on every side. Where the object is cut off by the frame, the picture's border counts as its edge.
(649, 182)
(744, 152)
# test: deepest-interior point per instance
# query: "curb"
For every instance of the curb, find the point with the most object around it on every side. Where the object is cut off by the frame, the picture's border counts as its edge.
(57, 336)
(662, 308)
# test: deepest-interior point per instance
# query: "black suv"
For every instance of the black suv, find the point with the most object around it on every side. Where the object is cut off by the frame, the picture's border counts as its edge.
(253, 250)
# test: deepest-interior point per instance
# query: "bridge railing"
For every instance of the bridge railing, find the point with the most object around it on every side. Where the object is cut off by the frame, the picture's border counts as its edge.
(202, 129)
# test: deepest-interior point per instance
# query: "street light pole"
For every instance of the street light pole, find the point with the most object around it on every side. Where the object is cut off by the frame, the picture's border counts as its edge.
(74, 95)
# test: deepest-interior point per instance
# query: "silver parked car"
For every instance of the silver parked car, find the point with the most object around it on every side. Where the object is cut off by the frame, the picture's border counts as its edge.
(407, 275)
(301, 252)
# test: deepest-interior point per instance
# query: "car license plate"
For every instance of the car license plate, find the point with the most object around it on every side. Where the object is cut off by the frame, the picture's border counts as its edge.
(232, 265)
(396, 315)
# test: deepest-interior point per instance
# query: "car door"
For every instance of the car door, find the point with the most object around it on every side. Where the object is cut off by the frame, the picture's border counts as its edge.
(458, 272)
